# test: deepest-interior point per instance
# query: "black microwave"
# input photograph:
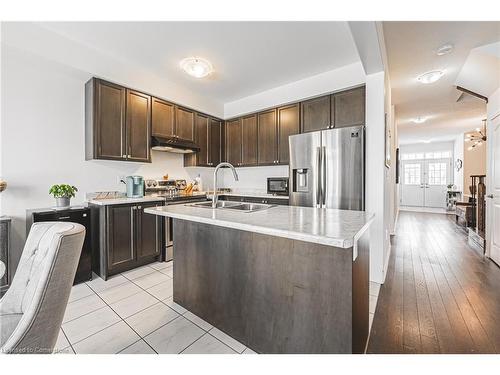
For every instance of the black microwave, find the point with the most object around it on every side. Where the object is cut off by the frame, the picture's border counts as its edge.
(277, 185)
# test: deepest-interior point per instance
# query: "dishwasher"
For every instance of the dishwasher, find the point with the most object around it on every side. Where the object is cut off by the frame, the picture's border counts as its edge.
(169, 235)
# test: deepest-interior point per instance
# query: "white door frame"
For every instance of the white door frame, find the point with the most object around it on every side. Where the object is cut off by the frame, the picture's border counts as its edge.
(422, 191)
(493, 123)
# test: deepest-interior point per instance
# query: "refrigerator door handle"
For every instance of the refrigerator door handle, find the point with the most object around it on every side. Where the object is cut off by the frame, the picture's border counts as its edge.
(318, 185)
(323, 175)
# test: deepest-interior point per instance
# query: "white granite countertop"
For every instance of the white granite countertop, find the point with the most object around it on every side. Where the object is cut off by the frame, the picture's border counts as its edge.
(155, 197)
(330, 227)
(125, 200)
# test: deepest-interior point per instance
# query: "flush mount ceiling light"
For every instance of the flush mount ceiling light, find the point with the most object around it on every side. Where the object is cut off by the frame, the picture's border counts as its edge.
(419, 120)
(444, 50)
(196, 66)
(430, 77)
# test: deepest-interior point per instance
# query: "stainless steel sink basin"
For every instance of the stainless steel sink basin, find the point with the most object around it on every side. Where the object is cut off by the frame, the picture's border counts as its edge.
(250, 207)
(220, 204)
(245, 207)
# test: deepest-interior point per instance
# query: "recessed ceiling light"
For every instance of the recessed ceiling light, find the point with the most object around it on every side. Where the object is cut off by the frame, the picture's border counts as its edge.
(430, 77)
(427, 141)
(444, 50)
(196, 66)
(419, 120)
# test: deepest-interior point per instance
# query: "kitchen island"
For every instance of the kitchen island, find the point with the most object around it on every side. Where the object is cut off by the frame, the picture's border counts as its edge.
(281, 280)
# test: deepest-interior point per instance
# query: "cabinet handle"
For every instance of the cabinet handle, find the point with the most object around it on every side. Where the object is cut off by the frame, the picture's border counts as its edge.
(124, 156)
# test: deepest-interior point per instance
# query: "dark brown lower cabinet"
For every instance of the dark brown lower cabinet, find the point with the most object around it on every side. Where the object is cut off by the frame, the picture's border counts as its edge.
(120, 233)
(124, 237)
(148, 240)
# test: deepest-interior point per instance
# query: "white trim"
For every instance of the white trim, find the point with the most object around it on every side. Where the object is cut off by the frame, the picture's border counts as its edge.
(386, 265)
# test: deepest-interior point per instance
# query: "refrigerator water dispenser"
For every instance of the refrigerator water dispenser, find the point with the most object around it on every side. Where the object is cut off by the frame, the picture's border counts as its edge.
(300, 180)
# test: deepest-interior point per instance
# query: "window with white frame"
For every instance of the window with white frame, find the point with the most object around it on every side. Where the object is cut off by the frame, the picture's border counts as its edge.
(437, 173)
(412, 174)
(426, 155)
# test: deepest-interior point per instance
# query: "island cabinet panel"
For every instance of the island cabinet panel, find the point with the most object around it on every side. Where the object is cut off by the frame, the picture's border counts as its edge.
(214, 142)
(162, 118)
(249, 140)
(138, 126)
(124, 237)
(316, 114)
(273, 294)
(288, 124)
(105, 118)
(348, 107)
(268, 138)
(184, 123)
(233, 142)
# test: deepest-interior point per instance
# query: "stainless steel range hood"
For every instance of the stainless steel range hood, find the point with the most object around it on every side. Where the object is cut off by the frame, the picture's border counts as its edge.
(174, 144)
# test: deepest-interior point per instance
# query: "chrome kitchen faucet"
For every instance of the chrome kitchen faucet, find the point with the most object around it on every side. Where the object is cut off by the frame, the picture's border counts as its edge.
(235, 175)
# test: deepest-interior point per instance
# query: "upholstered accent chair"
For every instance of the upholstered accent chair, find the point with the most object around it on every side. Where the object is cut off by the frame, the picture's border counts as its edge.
(32, 309)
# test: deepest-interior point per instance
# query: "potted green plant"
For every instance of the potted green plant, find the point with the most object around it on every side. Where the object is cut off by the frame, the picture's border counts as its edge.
(63, 194)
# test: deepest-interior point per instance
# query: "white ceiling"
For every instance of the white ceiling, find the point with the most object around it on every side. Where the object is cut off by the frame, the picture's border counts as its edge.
(411, 50)
(248, 57)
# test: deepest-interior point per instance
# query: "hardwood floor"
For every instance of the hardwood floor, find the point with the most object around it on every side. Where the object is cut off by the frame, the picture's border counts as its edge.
(440, 296)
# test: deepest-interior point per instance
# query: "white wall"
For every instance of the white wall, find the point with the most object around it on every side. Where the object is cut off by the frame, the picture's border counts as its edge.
(39, 41)
(376, 174)
(43, 140)
(493, 111)
(458, 153)
(334, 80)
(427, 147)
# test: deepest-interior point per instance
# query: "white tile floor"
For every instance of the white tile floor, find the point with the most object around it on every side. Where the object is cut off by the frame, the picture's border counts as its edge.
(135, 313)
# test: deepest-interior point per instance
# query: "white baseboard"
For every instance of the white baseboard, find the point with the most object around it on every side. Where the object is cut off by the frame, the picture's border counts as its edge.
(384, 274)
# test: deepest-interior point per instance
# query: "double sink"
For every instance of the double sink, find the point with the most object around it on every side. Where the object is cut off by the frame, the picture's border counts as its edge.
(244, 207)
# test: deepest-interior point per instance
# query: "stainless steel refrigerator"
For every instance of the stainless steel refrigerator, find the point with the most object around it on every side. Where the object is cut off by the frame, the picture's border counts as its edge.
(327, 169)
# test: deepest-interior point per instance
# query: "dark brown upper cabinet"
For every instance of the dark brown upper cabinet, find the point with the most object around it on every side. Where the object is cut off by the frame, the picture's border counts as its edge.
(201, 129)
(184, 123)
(117, 122)
(201, 137)
(316, 114)
(163, 118)
(138, 126)
(288, 124)
(208, 136)
(214, 142)
(268, 138)
(249, 144)
(233, 141)
(105, 105)
(349, 107)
